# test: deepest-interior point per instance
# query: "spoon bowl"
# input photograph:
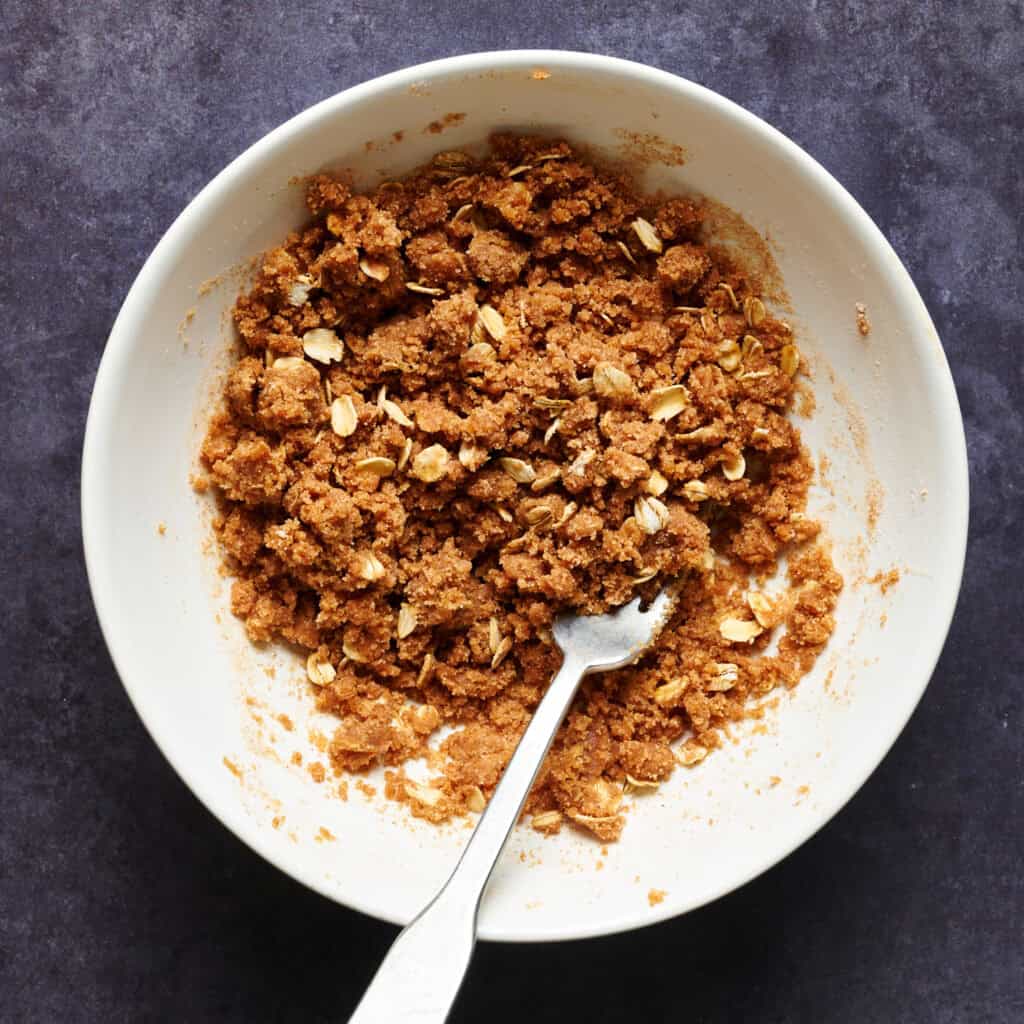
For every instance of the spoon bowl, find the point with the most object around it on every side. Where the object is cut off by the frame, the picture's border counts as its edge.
(617, 639)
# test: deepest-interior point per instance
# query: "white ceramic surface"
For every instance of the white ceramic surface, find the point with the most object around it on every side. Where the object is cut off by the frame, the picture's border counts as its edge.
(889, 422)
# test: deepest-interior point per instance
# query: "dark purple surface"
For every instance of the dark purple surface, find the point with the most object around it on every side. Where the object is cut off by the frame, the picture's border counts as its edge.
(121, 898)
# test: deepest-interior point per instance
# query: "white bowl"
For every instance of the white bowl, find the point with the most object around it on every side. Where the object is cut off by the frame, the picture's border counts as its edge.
(887, 418)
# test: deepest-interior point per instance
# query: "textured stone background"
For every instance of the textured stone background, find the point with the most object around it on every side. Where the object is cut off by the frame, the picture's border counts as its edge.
(120, 897)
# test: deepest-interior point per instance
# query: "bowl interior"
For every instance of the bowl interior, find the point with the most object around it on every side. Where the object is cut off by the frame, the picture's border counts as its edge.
(893, 493)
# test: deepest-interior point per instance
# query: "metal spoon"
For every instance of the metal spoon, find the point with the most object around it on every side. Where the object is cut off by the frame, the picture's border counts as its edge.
(422, 972)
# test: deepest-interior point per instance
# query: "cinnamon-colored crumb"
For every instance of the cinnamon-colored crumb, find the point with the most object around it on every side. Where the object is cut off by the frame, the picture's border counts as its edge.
(656, 896)
(448, 121)
(863, 323)
(885, 580)
(448, 422)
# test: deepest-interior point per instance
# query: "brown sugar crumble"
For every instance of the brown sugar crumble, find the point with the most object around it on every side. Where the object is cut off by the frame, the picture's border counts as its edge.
(885, 580)
(448, 121)
(501, 388)
(863, 323)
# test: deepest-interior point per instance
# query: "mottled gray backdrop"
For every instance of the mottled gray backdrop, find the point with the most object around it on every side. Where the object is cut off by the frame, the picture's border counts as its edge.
(120, 897)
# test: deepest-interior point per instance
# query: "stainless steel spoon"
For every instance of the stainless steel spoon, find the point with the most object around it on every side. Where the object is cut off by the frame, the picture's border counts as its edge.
(422, 972)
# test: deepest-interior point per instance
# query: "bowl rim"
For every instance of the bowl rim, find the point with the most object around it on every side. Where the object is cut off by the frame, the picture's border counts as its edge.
(99, 425)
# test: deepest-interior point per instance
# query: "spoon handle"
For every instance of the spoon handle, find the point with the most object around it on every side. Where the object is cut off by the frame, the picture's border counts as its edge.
(420, 977)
